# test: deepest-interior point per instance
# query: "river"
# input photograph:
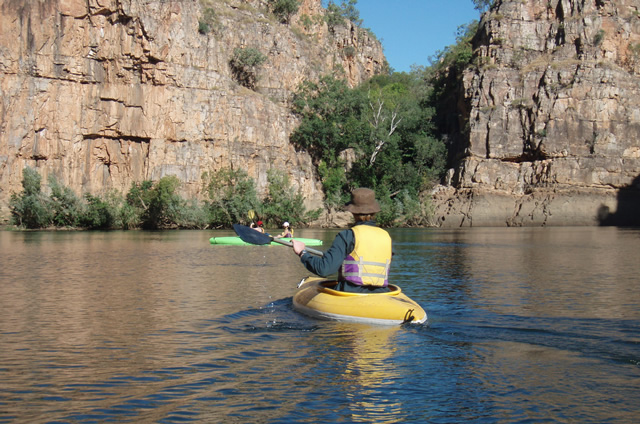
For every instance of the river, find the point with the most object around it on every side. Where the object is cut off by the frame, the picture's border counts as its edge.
(526, 325)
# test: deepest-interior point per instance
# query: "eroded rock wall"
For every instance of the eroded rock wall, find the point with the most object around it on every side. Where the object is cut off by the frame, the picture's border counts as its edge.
(553, 117)
(103, 93)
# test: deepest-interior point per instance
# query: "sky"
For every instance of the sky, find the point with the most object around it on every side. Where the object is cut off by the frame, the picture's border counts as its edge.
(412, 31)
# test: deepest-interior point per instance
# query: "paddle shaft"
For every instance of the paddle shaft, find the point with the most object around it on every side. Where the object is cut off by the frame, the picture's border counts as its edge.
(308, 249)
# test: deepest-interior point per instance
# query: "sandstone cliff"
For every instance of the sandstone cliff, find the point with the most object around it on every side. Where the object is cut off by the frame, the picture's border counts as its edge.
(552, 116)
(103, 93)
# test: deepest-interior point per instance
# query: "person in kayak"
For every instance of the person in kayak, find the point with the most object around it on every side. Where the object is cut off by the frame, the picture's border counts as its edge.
(287, 232)
(259, 228)
(361, 255)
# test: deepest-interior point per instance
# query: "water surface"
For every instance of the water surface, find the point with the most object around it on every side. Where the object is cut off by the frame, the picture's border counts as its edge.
(525, 325)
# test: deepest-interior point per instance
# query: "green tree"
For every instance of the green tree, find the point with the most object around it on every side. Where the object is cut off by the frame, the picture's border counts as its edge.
(333, 17)
(164, 205)
(403, 151)
(283, 202)
(194, 215)
(350, 11)
(158, 206)
(245, 64)
(232, 195)
(65, 206)
(30, 209)
(139, 196)
(334, 183)
(482, 5)
(284, 9)
(128, 217)
(332, 119)
(99, 214)
(336, 15)
(386, 129)
(386, 122)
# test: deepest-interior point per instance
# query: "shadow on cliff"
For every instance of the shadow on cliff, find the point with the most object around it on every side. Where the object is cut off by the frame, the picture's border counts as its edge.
(627, 213)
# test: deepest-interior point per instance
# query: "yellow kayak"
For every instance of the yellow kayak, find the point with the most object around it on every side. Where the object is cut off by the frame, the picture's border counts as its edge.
(317, 299)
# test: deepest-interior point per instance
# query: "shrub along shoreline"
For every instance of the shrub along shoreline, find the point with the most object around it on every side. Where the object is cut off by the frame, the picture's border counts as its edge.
(232, 198)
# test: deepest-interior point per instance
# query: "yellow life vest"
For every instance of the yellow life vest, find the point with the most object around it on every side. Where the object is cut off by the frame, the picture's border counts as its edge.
(370, 260)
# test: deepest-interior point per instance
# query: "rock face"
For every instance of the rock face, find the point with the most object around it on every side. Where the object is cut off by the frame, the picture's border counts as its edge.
(103, 93)
(552, 115)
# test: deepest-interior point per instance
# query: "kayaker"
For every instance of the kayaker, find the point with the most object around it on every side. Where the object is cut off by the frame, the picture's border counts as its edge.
(361, 255)
(258, 227)
(287, 232)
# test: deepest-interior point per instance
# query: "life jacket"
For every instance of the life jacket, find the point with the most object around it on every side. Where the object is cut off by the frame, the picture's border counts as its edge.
(370, 260)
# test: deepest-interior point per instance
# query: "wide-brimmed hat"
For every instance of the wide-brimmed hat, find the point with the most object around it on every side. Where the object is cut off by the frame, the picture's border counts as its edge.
(363, 201)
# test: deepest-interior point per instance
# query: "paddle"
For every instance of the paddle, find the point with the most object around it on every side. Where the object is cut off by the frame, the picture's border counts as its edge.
(249, 235)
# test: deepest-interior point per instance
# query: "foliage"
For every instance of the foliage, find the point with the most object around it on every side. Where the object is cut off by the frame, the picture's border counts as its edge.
(349, 52)
(283, 9)
(306, 21)
(457, 56)
(332, 118)
(194, 215)
(482, 5)
(123, 215)
(334, 183)
(30, 209)
(31, 182)
(207, 22)
(334, 17)
(164, 204)
(403, 209)
(128, 217)
(337, 14)
(597, 39)
(245, 64)
(283, 202)
(157, 206)
(99, 214)
(232, 194)
(139, 196)
(65, 207)
(350, 12)
(386, 122)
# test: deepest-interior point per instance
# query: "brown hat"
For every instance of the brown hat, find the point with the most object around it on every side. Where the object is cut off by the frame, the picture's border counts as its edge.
(363, 201)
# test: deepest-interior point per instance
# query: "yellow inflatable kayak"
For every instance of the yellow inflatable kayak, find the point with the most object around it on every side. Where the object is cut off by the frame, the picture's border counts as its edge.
(317, 299)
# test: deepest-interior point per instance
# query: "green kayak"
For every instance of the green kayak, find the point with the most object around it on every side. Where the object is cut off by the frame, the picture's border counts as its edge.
(236, 241)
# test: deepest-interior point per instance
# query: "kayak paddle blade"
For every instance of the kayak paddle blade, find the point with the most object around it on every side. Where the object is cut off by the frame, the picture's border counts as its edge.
(251, 236)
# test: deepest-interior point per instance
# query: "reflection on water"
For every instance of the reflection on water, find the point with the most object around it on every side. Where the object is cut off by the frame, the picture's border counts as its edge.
(358, 359)
(524, 325)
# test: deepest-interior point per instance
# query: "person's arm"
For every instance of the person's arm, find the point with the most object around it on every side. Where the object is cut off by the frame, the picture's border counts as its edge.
(330, 262)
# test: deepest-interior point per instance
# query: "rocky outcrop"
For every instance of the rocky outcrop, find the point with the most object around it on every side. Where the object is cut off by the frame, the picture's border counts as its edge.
(552, 111)
(102, 93)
